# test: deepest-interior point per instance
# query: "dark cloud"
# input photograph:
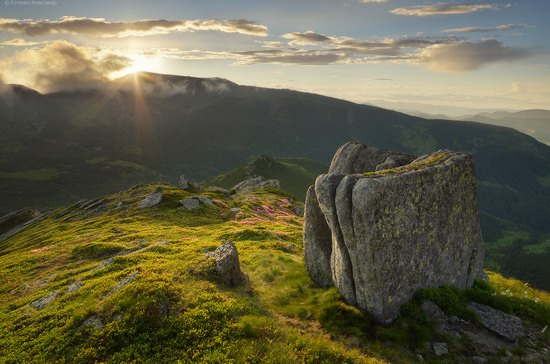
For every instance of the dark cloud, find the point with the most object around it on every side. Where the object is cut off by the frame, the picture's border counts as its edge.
(101, 28)
(490, 29)
(442, 8)
(466, 56)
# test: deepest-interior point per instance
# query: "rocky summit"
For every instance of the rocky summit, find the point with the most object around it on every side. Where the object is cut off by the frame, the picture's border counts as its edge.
(381, 225)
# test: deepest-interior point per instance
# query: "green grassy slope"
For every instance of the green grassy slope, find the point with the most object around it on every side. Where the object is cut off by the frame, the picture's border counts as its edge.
(121, 284)
(294, 174)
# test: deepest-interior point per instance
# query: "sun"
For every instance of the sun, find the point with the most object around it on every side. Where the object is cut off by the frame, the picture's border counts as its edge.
(138, 63)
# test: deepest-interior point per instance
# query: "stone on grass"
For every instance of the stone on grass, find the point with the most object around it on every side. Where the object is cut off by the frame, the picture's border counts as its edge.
(123, 283)
(195, 202)
(506, 326)
(228, 266)
(440, 348)
(187, 185)
(41, 303)
(152, 199)
(95, 322)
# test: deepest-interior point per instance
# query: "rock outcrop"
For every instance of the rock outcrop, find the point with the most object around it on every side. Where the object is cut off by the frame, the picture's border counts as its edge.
(152, 199)
(256, 183)
(396, 224)
(17, 218)
(228, 266)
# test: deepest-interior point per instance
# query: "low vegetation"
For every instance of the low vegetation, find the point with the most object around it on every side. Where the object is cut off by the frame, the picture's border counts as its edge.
(122, 285)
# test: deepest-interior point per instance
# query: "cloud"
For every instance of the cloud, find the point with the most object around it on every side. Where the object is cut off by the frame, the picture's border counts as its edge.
(490, 29)
(62, 65)
(372, 1)
(272, 44)
(291, 56)
(387, 46)
(19, 43)
(99, 27)
(216, 85)
(467, 56)
(307, 38)
(443, 9)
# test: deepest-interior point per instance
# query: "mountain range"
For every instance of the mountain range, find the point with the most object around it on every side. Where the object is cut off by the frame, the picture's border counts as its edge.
(59, 147)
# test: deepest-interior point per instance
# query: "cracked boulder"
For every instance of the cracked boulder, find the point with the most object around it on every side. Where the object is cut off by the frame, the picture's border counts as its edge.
(392, 230)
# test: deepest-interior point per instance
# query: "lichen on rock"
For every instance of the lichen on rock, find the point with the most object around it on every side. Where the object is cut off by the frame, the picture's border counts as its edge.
(393, 230)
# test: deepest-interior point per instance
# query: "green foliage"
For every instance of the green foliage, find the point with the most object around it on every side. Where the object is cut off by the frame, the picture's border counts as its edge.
(95, 251)
(449, 298)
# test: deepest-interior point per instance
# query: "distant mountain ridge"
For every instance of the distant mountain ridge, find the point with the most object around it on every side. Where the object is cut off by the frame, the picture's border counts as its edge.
(533, 122)
(57, 148)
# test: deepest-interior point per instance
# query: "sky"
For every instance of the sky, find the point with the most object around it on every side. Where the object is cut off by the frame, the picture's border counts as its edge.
(485, 54)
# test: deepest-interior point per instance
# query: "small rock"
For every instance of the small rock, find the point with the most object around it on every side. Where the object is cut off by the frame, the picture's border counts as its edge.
(105, 263)
(433, 312)
(95, 322)
(195, 202)
(508, 327)
(41, 303)
(479, 359)
(205, 200)
(190, 203)
(228, 266)
(124, 282)
(419, 357)
(151, 200)
(234, 210)
(508, 354)
(187, 185)
(119, 205)
(299, 211)
(453, 320)
(440, 348)
(483, 276)
(74, 287)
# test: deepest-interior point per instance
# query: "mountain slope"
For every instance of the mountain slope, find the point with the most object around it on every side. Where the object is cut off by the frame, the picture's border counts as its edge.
(152, 126)
(532, 122)
(294, 174)
(106, 281)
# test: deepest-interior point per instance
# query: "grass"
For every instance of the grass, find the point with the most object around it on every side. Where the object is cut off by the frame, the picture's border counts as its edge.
(414, 166)
(166, 313)
(128, 287)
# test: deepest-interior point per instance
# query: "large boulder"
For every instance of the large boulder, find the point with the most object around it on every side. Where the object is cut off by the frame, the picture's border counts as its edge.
(396, 230)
